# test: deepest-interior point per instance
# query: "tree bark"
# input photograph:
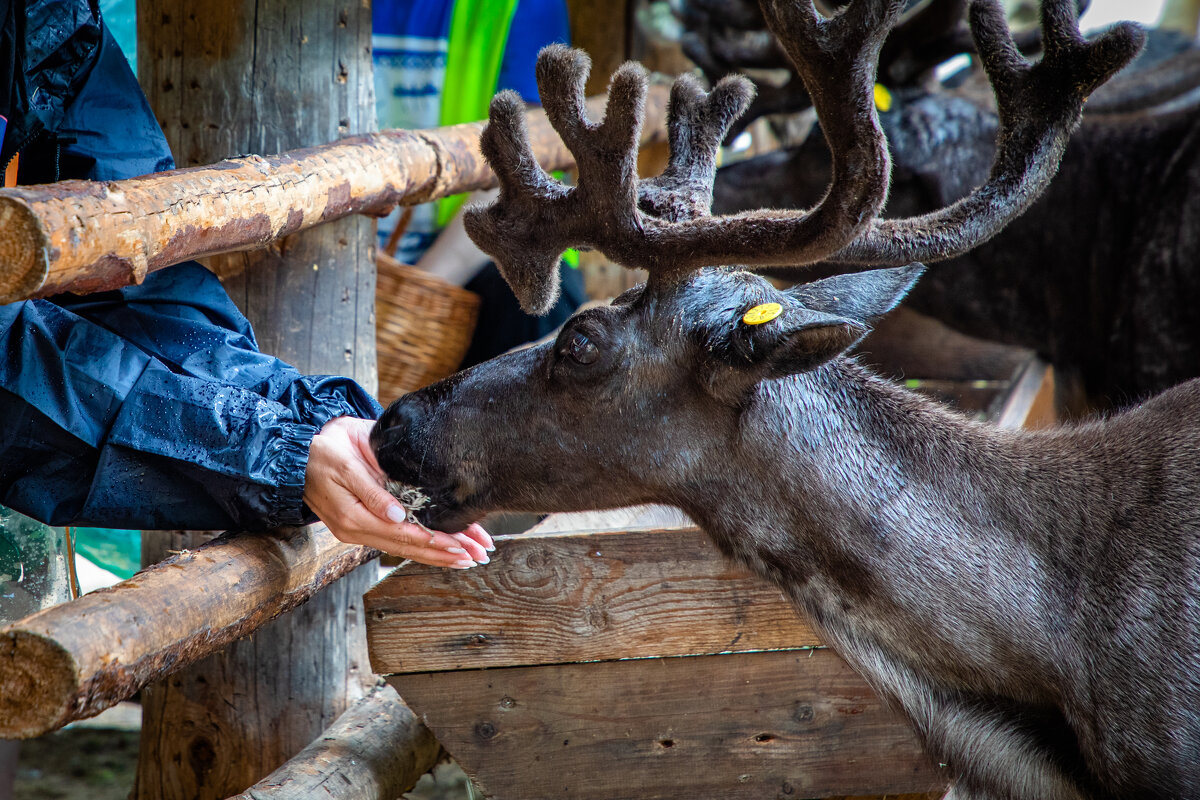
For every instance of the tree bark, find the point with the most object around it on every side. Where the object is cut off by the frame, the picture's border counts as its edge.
(74, 660)
(238, 76)
(377, 750)
(84, 236)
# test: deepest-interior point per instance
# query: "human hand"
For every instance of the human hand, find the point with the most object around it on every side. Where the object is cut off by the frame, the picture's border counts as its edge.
(344, 486)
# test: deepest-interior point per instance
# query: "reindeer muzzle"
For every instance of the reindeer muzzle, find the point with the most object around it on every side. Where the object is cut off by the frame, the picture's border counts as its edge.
(403, 444)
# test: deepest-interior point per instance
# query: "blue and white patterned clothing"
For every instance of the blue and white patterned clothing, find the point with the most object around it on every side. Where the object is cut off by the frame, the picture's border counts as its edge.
(411, 42)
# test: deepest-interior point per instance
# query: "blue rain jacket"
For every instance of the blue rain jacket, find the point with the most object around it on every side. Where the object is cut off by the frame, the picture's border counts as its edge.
(150, 406)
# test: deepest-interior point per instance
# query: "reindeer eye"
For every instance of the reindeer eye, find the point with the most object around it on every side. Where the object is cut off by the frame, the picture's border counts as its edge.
(582, 350)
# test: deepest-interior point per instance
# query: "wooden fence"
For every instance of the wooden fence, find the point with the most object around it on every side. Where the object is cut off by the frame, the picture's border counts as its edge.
(74, 660)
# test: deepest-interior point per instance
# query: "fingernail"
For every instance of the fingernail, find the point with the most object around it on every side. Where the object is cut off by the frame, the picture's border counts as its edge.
(456, 550)
(465, 564)
(484, 560)
(491, 544)
(396, 514)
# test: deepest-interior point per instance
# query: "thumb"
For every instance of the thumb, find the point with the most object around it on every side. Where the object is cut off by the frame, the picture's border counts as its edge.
(374, 497)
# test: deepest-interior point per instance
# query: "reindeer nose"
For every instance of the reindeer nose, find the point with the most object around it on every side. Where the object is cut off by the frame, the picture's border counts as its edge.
(398, 438)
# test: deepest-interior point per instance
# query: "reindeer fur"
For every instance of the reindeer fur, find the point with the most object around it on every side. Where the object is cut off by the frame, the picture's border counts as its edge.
(1025, 599)
(1098, 277)
(1029, 600)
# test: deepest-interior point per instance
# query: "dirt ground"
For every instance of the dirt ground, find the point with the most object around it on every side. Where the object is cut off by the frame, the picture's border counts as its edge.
(78, 764)
(101, 763)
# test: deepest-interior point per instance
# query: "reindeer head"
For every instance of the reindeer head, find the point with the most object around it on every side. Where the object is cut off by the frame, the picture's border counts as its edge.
(633, 402)
(623, 406)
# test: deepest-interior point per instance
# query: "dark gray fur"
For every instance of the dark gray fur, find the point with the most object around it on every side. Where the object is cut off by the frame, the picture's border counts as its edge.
(1029, 600)
(997, 587)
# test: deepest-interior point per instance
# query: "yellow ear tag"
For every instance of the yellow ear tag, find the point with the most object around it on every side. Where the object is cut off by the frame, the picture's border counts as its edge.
(883, 98)
(764, 313)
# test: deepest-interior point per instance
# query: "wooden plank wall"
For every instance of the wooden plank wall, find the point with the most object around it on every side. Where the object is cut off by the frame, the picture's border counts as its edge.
(577, 597)
(786, 724)
(635, 664)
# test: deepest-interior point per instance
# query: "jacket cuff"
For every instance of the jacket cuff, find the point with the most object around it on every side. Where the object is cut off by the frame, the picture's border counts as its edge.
(329, 397)
(286, 498)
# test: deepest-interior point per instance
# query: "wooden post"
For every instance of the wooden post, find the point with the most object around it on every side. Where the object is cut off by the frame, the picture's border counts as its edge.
(228, 77)
(602, 28)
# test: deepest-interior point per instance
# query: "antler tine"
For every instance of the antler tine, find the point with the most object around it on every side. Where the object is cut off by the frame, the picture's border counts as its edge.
(525, 190)
(534, 220)
(837, 58)
(1039, 106)
(696, 124)
(720, 51)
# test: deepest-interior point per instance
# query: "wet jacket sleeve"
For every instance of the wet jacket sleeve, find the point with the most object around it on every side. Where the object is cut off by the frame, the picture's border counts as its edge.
(151, 407)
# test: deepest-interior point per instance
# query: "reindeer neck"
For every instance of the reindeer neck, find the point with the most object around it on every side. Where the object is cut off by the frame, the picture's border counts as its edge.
(859, 458)
(865, 502)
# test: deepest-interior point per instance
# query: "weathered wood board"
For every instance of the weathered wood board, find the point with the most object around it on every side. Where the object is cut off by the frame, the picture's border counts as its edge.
(783, 724)
(577, 597)
(637, 663)
(632, 664)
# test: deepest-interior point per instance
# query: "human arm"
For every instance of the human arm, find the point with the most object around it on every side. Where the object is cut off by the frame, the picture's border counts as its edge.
(152, 408)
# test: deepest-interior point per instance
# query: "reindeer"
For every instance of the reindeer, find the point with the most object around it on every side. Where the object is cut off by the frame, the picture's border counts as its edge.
(1030, 601)
(1099, 279)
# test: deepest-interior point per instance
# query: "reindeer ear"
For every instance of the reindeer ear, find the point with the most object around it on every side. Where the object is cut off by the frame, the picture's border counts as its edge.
(817, 321)
(859, 296)
(793, 339)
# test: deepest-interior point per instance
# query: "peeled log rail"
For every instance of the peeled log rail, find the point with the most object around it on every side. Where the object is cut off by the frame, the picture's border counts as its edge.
(74, 660)
(376, 750)
(87, 236)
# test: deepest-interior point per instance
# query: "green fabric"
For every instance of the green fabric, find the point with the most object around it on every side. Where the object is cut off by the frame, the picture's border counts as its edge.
(118, 551)
(478, 35)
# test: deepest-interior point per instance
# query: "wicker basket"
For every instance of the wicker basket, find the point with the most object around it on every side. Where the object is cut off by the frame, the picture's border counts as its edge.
(423, 326)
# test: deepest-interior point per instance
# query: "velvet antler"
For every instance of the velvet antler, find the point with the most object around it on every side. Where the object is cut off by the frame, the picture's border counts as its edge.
(663, 225)
(536, 218)
(1039, 106)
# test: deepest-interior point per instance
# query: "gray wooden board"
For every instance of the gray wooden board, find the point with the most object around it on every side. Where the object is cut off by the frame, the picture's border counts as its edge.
(784, 724)
(577, 597)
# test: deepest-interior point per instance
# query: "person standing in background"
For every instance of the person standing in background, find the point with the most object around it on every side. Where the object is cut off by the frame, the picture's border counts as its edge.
(439, 62)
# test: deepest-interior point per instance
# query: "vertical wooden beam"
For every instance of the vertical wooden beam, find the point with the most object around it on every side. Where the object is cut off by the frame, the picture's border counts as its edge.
(1182, 16)
(601, 27)
(231, 77)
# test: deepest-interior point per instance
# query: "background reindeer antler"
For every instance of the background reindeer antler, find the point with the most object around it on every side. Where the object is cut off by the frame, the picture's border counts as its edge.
(1039, 106)
(663, 224)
